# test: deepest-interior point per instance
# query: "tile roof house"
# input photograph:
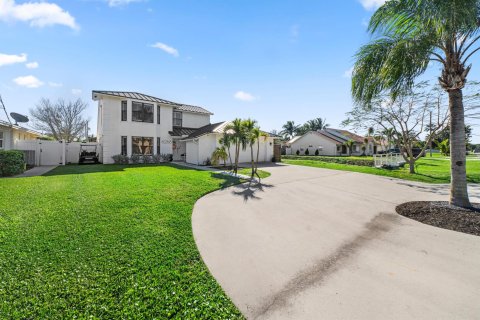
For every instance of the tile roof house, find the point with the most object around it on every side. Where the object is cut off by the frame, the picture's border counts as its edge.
(331, 142)
(135, 123)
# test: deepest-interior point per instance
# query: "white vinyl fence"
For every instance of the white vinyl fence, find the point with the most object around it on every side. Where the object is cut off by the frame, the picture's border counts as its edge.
(391, 160)
(49, 153)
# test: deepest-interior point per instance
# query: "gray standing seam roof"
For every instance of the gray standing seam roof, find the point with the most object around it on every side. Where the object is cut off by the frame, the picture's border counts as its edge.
(144, 97)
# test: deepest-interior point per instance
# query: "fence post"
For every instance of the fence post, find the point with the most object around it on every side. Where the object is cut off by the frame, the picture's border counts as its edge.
(63, 152)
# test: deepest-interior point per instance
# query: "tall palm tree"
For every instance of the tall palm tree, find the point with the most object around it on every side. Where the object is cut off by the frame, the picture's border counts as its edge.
(249, 126)
(239, 139)
(409, 35)
(289, 129)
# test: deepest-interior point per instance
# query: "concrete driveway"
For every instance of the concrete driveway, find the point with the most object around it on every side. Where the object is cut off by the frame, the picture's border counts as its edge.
(322, 244)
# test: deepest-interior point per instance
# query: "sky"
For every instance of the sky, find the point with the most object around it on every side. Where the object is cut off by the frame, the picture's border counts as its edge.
(272, 61)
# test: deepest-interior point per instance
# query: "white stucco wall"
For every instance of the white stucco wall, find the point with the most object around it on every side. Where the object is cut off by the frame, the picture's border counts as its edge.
(312, 141)
(111, 128)
(202, 148)
(194, 120)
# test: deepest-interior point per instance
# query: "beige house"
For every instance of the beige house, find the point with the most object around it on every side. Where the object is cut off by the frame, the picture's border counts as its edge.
(331, 142)
(11, 134)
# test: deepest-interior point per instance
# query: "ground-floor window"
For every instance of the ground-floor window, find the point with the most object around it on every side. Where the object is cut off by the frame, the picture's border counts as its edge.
(124, 145)
(158, 145)
(142, 145)
(1, 139)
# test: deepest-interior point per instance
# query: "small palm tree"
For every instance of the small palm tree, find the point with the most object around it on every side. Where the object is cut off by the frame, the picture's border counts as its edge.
(349, 144)
(219, 154)
(444, 147)
(409, 35)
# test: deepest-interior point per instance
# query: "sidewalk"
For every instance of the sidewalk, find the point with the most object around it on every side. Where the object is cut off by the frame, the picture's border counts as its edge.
(35, 171)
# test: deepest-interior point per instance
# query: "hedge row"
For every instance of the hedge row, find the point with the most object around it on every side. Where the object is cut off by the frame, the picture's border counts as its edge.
(341, 160)
(12, 162)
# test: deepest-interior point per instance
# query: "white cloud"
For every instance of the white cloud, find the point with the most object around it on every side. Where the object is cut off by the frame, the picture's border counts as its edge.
(76, 92)
(6, 59)
(372, 4)
(166, 48)
(117, 3)
(55, 84)
(28, 82)
(348, 73)
(32, 65)
(244, 96)
(38, 14)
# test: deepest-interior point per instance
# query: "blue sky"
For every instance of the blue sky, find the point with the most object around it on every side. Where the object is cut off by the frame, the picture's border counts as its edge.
(270, 60)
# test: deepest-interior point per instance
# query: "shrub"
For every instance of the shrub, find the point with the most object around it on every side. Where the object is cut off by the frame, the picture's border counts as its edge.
(307, 152)
(157, 158)
(147, 159)
(135, 159)
(298, 152)
(340, 160)
(120, 159)
(12, 162)
(317, 152)
(167, 157)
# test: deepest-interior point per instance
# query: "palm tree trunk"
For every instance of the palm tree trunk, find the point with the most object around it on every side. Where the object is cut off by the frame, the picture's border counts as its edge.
(253, 159)
(458, 185)
(258, 151)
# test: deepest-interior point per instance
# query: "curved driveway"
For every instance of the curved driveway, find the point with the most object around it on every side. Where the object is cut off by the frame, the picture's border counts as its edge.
(322, 244)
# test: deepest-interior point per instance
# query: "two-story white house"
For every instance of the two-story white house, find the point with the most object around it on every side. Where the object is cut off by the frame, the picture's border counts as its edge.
(134, 123)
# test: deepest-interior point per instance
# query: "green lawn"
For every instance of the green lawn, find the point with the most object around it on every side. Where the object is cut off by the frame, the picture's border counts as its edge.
(431, 170)
(248, 171)
(106, 242)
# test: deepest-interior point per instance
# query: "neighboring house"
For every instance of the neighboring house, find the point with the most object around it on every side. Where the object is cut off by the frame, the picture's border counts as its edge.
(134, 123)
(201, 144)
(10, 134)
(331, 142)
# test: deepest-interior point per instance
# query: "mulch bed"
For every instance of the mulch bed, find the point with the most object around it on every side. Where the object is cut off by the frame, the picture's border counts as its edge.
(443, 215)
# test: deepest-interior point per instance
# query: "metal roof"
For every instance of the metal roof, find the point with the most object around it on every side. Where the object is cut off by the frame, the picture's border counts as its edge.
(17, 127)
(144, 97)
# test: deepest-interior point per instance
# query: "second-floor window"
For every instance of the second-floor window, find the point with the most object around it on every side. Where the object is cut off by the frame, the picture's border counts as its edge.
(142, 112)
(177, 119)
(124, 110)
(1, 140)
(158, 114)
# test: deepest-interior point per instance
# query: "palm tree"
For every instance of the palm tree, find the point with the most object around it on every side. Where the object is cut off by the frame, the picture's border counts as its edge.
(219, 154)
(226, 141)
(389, 135)
(317, 124)
(249, 126)
(349, 144)
(290, 129)
(409, 35)
(239, 139)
